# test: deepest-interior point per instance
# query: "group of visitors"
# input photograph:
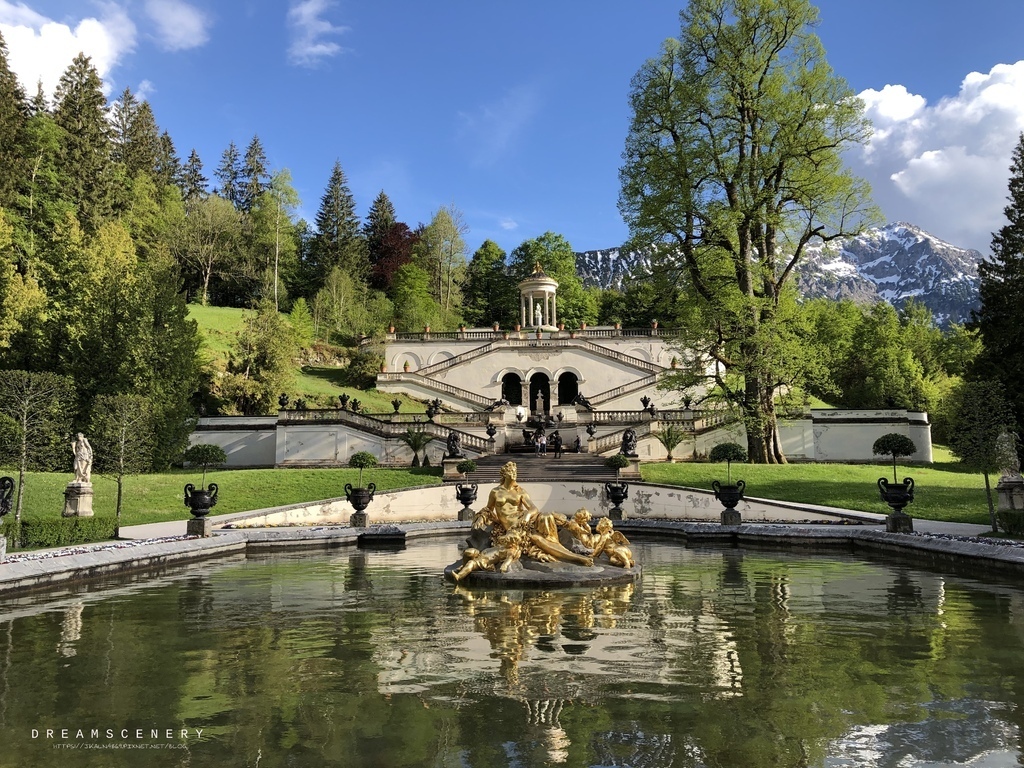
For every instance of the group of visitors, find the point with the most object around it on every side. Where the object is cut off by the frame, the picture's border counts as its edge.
(541, 441)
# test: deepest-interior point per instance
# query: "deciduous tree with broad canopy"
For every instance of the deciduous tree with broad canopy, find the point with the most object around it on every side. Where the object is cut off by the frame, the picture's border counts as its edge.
(732, 168)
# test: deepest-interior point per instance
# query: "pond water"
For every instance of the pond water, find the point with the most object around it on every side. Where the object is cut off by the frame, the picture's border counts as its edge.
(717, 657)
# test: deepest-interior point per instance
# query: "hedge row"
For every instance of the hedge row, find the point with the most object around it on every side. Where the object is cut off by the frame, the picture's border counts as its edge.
(59, 532)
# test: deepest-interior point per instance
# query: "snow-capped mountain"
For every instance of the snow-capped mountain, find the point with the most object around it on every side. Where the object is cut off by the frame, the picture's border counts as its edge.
(895, 263)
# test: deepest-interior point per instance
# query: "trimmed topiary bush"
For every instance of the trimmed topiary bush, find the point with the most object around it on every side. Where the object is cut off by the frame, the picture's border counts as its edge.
(618, 461)
(362, 460)
(207, 454)
(727, 452)
(465, 467)
(894, 444)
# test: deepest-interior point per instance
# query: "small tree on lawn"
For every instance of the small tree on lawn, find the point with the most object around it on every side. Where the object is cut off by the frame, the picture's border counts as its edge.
(727, 452)
(206, 454)
(896, 445)
(362, 460)
(671, 436)
(122, 427)
(981, 413)
(39, 407)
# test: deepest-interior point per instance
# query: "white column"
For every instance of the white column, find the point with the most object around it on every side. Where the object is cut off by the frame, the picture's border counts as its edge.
(531, 311)
(554, 310)
(522, 310)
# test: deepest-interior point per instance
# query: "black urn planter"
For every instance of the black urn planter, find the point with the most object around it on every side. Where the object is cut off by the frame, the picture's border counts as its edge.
(360, 499)
(617, 493)
(897, 497)
(730, 496)
(201, 500)
(466, 494)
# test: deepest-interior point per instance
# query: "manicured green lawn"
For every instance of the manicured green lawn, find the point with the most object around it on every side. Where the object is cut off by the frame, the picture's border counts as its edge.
(942, 491)
(158, 498)
(312, 380)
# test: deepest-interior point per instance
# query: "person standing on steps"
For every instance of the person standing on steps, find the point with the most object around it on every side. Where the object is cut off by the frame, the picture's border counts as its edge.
(543, 444)
(556, 443)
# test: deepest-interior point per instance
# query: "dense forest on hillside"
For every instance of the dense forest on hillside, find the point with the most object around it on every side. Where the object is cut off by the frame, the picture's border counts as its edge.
(107, 235)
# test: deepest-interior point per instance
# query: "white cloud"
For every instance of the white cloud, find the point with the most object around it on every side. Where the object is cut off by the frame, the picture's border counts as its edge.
(493, 128)
(145, 90)
(40, 49)
(309, 32)
(945, 166)
(508, 224)
(179, 26)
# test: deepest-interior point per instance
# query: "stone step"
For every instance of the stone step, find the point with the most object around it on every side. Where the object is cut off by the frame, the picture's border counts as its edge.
(567, 468)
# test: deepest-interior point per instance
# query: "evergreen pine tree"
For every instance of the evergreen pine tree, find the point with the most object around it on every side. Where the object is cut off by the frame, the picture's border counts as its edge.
(338, 242)
(1002, 285)
(13, 118)
(134, 133)
(81, 111)
(39, 104)
(229, 174)
(378, 223)
(254, 176)
(168, 170)
(194, 183)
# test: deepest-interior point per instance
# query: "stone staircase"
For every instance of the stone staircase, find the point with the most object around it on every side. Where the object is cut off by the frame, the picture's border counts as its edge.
(570, 467)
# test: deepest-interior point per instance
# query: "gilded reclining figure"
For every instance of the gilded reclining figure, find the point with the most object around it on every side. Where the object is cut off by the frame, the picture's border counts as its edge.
(519, 529)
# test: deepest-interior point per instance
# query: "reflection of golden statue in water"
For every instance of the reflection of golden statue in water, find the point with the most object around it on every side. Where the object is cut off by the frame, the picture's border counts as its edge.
(517, 531)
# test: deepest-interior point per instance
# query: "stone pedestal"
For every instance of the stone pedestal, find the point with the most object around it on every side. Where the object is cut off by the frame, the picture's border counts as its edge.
(1009, 494)
(358, 520)
(449, 468)
(199, 526)
(899, 522)
(78, 500)
(731, 517)
(632, 472)
(3, 548)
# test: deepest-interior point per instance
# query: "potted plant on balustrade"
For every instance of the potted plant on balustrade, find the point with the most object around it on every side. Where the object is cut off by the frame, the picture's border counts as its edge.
(360, 497)
(201, 499)
(897, 495)
(729, 494)
(466, 494)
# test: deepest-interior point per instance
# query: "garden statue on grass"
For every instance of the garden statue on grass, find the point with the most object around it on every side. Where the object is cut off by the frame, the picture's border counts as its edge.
(897, 496)
(78, 494)
(730, 495)
(83, 458)
(1006, 450)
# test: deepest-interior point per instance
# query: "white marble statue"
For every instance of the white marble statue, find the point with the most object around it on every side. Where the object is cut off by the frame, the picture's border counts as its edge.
(538, 316)
(1009, 462)
(83, 459)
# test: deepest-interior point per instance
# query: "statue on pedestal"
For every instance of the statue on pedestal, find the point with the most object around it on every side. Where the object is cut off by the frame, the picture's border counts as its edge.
(78, 494)
(83, 459)
(628, 442)
(511, 533)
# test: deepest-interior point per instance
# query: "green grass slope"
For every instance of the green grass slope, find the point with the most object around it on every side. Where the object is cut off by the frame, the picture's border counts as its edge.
(219, 327)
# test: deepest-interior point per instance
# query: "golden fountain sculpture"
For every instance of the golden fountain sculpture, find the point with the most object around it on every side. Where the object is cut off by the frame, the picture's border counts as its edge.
(510, 535)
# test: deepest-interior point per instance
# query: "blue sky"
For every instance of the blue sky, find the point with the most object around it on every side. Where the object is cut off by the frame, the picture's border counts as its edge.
(516, 113)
